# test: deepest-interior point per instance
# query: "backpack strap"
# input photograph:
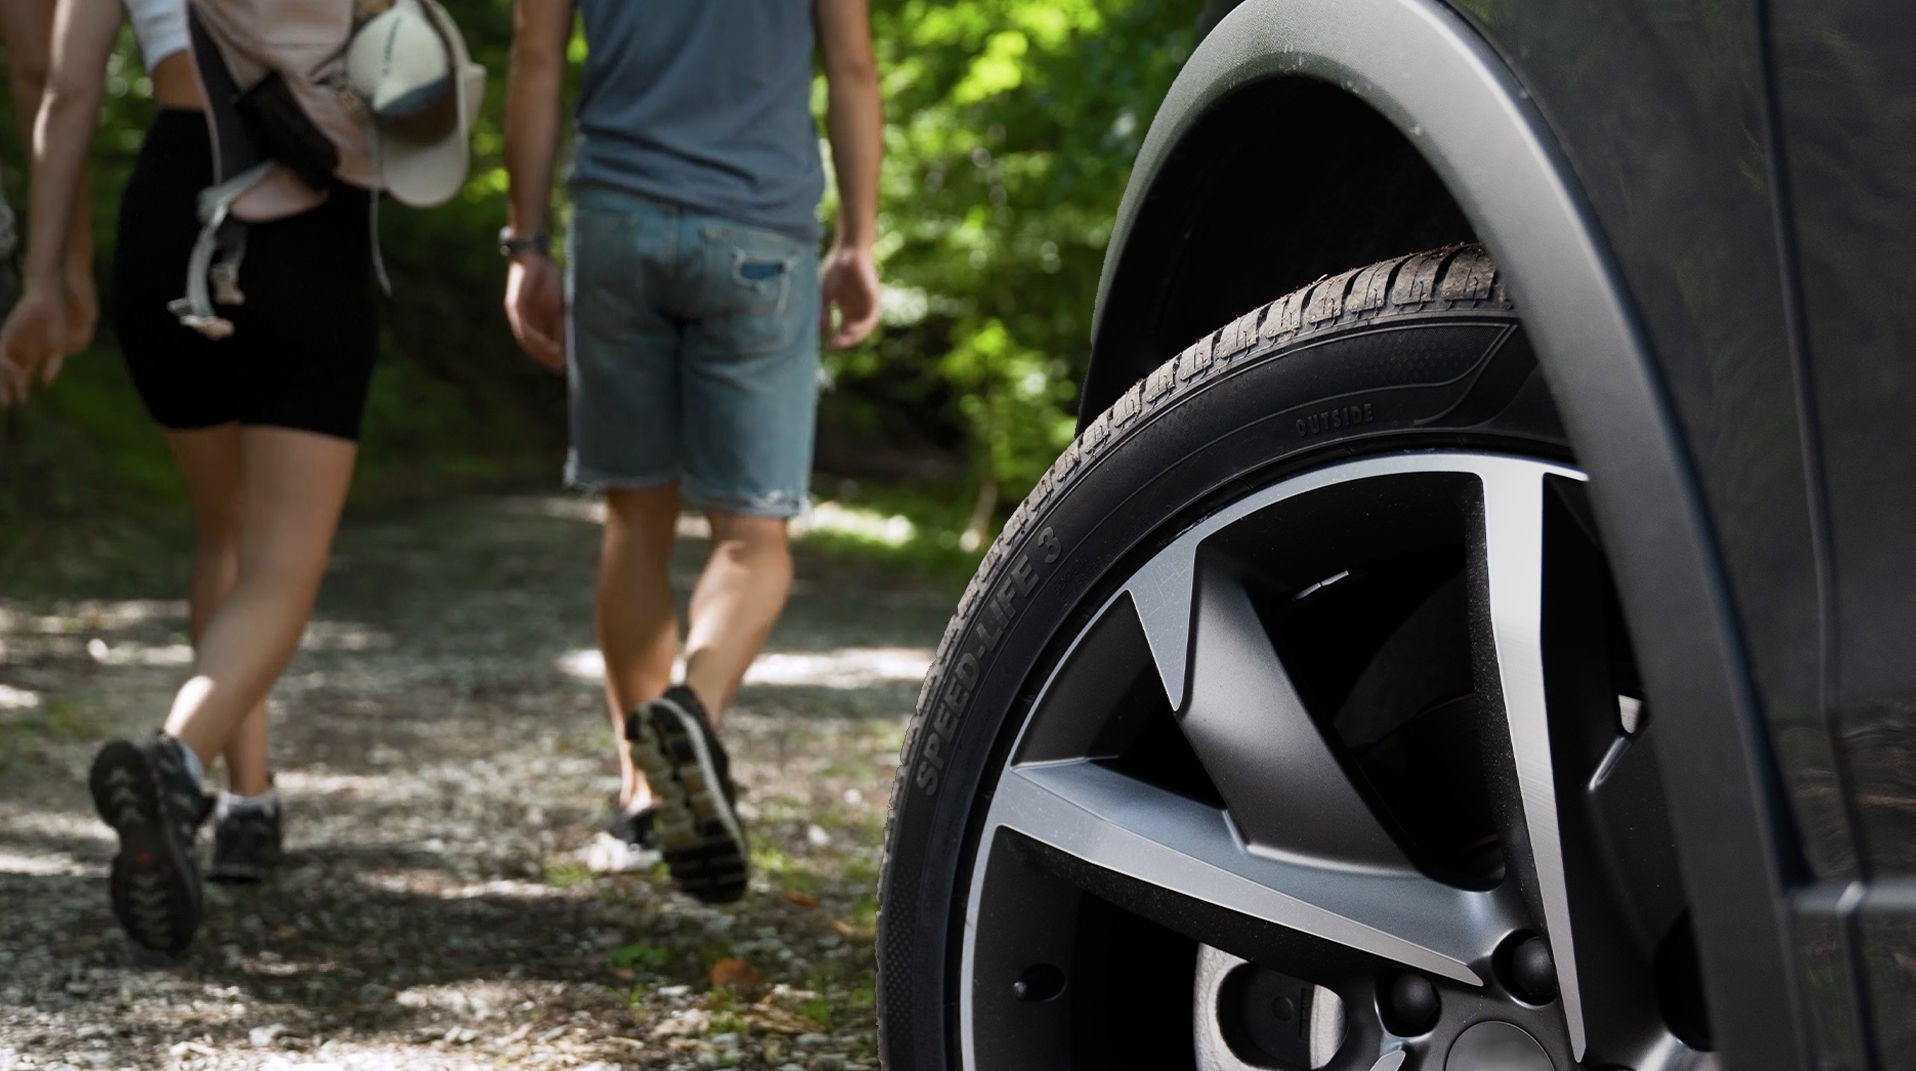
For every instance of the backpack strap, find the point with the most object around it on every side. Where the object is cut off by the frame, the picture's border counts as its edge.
(213, 270)
(379, 254)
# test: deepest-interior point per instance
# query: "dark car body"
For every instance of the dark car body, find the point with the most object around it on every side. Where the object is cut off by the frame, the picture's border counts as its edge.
(1707, 212)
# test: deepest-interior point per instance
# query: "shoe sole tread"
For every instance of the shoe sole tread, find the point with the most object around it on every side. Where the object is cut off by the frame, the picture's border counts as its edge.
(698, 834)
(151, 885)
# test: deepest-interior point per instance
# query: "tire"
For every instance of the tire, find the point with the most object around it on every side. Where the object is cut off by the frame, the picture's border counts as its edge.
(1421, 356)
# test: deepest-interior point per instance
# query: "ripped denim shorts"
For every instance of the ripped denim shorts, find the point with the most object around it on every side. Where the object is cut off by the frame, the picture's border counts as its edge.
(692, 355)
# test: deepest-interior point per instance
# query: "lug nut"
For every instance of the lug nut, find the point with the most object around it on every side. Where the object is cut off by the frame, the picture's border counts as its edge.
(1533, 971)
(1413, 1005)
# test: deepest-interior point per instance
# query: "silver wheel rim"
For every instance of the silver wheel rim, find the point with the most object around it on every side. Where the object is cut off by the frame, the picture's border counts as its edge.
(1294, 844)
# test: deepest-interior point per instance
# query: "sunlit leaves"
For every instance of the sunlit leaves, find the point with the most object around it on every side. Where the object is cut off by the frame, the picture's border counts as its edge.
(1011, 125)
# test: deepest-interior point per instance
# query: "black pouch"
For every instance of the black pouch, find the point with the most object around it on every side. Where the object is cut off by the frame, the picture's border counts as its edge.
(288, 135)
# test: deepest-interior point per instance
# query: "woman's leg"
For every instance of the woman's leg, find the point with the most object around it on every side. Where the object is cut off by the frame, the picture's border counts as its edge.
(209, 459)
(248, 773)
(292, 487)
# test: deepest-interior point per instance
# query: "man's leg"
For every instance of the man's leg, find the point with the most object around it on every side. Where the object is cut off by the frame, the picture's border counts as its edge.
(737, 601)
(735, 605)
(749, 390)
(637, 619)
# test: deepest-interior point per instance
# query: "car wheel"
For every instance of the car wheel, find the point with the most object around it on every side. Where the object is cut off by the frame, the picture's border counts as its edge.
(1291, 723)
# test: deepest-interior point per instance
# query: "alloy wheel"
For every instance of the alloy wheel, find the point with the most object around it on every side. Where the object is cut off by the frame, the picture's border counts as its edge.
(1352, 773)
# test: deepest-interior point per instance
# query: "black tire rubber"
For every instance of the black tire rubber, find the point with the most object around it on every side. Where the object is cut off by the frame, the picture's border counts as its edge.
(1420, 351)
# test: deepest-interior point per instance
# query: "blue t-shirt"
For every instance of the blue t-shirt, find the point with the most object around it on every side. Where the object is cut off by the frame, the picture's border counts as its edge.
(703, 103)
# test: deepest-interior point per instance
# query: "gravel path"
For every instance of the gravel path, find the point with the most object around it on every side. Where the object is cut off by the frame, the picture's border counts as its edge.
(445, 760)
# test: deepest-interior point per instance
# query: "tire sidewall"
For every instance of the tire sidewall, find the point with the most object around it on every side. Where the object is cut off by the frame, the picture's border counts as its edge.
(1159, 465)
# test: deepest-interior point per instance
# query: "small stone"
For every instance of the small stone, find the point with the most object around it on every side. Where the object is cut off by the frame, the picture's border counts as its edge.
(830, 1061)
(261, 1037)
(811, 1041)
(816, 836)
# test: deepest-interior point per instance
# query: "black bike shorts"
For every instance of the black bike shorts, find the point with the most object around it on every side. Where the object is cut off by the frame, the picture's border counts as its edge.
(301, 354)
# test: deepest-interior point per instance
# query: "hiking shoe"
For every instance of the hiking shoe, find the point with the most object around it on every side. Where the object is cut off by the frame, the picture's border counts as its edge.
(697, 826)
(146, 794)
(629, 842)
(246, 840)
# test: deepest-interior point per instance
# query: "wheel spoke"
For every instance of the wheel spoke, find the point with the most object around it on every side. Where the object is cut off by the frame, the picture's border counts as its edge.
(1170, 843)
(1162, 592)
(1225, 812)
(1512, 575)
(1280, 779)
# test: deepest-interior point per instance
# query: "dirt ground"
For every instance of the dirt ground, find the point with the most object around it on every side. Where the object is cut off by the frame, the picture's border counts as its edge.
(444, 757)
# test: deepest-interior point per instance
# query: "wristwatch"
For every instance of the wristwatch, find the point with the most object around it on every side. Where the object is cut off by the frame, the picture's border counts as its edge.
(512, 243)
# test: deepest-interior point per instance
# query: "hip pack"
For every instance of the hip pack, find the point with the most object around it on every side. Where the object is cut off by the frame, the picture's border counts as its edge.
(288, 123)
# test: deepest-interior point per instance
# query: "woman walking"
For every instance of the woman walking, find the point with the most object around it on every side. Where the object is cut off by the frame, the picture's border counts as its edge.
(262, 426)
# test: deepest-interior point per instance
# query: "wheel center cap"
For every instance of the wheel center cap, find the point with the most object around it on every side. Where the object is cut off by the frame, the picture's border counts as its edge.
(1496, 1047)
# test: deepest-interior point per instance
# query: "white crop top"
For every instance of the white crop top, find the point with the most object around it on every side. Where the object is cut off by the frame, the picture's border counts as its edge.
(160, 26)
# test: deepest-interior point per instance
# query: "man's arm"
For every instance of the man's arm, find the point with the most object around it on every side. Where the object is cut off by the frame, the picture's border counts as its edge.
(534, 88)
(854, 122)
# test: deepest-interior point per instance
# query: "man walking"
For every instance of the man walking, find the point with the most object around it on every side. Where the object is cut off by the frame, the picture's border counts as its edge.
(689, 330)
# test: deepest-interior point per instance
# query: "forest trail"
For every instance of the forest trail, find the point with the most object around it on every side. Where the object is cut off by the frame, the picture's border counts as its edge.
(445, 759)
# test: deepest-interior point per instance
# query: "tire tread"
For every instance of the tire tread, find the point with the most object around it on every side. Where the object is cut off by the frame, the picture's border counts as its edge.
(1454, 278)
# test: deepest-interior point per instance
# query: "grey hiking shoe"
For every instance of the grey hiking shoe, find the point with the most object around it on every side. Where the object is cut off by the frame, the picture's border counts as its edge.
(697, 823)
(146, 794)
(247, 842)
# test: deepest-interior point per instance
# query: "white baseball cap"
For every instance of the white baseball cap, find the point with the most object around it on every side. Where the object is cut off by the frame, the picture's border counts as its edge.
(410, 66)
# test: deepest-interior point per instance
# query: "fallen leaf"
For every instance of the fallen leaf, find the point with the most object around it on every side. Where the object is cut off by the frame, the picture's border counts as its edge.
(805, 900)
(735, 975)
(845, 929)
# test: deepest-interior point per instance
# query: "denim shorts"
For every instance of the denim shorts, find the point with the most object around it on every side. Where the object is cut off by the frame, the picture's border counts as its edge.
(692, 355)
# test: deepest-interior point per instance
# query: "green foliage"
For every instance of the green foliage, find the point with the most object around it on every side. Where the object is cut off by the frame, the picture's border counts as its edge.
(1010, 130)
(918, 528)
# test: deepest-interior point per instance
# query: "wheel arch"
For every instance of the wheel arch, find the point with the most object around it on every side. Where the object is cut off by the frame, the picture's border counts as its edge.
(1315, 175)
(1290, 109)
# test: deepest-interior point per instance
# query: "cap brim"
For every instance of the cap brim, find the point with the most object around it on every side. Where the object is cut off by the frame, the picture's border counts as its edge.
(424, 172)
